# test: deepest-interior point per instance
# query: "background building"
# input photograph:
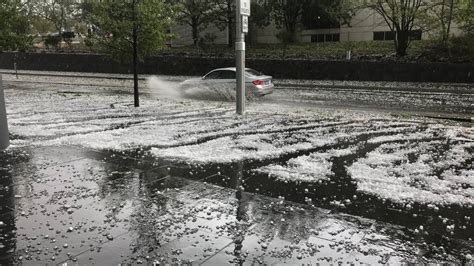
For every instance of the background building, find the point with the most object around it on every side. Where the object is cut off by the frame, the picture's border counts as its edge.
(365, 25)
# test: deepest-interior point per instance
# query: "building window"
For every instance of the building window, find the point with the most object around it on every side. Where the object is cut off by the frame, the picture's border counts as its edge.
(384, 36)
(325, 37)
(379, 35)
(390, 36)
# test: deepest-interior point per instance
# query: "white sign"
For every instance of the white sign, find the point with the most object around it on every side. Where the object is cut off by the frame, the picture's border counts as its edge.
(245, 24)
(245, 7)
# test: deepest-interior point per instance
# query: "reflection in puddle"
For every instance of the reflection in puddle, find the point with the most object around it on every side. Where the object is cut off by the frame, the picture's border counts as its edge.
(90, 205)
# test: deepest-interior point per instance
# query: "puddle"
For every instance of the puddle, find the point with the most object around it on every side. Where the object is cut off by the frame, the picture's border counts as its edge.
(339, 192)
(153, 208)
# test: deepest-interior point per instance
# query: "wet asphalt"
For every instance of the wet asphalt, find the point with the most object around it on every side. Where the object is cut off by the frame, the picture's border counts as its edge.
(69, 204)
(77, 206)
(435, 100)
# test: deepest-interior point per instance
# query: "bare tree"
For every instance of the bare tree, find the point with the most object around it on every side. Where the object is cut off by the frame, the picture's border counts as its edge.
(400, 16)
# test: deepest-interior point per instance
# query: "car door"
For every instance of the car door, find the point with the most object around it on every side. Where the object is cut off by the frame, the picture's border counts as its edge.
(228, 80)
(220, 80)
(209, 79)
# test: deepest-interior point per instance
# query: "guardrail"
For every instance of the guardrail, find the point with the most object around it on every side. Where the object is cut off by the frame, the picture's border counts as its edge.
(4, 138)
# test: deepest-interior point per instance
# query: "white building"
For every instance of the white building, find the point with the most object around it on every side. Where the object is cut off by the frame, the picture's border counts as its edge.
(365, 25)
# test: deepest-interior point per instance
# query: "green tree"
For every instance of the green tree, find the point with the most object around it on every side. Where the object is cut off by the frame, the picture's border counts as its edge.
(260, 18)
(14, 26)
(286, 15)
(438, 17)
(400, 16)
(131, 30)
(223, 14)
(319, 14)
(465, 16)
(62, 14)
(343, 10)
(41, 25)
(260, 15)
(196, 14)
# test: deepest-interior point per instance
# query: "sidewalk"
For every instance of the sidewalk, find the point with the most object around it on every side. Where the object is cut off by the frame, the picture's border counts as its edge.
(77, 206)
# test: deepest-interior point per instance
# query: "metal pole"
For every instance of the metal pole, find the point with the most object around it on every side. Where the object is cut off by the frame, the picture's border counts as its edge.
(4, 138)
(16, 70)
(15, 66)
(239, 61)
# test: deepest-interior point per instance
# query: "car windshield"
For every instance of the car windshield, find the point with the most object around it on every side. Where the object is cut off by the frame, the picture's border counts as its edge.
(253, 72)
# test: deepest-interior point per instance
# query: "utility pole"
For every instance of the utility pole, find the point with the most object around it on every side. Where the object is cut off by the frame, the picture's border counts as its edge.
(4, 138)
(241, 27)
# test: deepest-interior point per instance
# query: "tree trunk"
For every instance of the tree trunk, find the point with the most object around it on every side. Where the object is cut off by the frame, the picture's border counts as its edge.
(135, 61)
(292, 32)
(135, 70)
(230, 29)
(230, 33)
(402, 43)
(450, 18)
(250, 36)
(230, 36)
(444, 36)
(195, 30)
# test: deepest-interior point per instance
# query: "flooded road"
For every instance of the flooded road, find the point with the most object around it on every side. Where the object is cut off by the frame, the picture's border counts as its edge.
(90, 179)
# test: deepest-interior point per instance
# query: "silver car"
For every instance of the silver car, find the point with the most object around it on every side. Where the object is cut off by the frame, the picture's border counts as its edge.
(256, 83)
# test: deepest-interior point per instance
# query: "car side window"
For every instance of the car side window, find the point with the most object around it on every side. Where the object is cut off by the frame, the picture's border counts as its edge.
(253, 72)
(221, 74)
(228, 74)
(213, 75)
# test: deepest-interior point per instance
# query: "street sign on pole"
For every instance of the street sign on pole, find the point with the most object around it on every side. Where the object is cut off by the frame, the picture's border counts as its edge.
(4, 136)
(245, 8)
(242, 13)
(240, 59)
(245, 24)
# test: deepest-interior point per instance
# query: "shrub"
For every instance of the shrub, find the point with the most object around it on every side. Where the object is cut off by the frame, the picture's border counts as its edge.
(209, 38)
(52, 41)
(457, 49)
(89, 43)
(285, 37)
(462, 47)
